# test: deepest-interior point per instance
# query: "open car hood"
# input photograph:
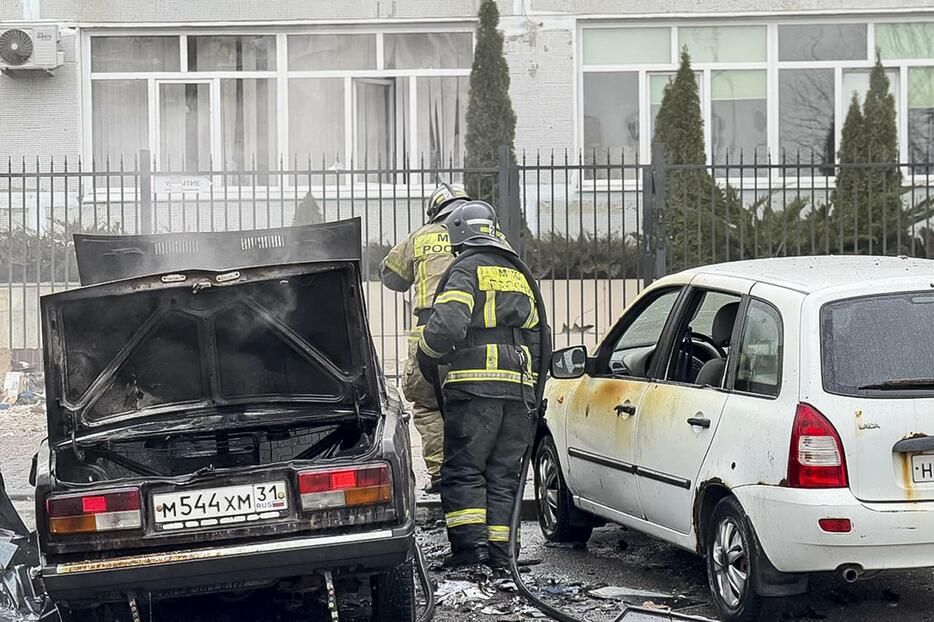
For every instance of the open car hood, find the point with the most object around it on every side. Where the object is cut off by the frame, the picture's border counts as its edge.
(167, 346)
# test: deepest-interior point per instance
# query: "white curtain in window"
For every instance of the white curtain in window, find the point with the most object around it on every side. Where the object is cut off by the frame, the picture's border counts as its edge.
(185, 126)
(248, 124)
(316, 121)
(120, 119)
(442, 111)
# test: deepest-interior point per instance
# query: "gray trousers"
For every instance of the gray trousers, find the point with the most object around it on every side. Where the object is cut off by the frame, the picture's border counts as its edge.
(484, 442)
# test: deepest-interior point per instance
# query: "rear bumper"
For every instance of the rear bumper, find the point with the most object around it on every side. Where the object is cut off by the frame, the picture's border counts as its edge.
(884, 535)
(363, 552)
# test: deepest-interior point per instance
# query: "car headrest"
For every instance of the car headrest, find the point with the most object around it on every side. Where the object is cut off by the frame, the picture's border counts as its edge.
(723, 324)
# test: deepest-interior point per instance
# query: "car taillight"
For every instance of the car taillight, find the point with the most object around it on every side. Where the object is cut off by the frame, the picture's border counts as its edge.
(816, 458)
(90, 513)
(346, 487)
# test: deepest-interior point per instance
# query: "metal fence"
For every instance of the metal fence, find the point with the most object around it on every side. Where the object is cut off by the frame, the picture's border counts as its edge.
(593, 229)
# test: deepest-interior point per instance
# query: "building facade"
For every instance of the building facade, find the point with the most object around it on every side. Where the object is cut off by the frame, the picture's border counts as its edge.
(245, 84)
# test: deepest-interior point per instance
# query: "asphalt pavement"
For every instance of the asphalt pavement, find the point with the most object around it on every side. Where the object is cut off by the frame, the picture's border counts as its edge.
(618, 564)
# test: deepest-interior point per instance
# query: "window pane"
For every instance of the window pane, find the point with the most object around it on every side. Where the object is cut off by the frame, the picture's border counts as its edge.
(802, 42)
(615, 46)
(738, 117)
(716, 44)
(920, 113)
(806, 115)
(907, 40)
(375, 126)
(248, 124)
(316, 121)
(611, 119)
(120, 119)
(232, 53)
(760, 352)
(442, 108)
(185, 127)
(324, 52)
(439, 50)
(135, 54)
(857, 82)
(646, 329)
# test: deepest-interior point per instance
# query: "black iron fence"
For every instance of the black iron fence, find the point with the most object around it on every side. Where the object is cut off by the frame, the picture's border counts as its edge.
(592, 228)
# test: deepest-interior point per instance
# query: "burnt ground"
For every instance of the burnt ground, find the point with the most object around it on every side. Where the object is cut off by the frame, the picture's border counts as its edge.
(651, 571)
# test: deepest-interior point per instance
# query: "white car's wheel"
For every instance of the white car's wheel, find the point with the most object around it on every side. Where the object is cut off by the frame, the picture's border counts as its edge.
(731, 563)
(553, 500)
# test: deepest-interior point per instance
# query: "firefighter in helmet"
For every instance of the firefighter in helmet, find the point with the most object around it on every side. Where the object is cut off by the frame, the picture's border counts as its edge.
(420, 260)
(484, 326)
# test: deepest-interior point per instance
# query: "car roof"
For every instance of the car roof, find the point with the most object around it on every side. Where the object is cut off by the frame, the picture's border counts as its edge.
(812, 274)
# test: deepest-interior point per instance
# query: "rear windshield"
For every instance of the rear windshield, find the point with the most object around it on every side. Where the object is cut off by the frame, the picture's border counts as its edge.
(879, 344)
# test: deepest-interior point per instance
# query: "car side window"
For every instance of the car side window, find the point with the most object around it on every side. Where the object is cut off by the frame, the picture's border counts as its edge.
(759, 369)
(632, 353)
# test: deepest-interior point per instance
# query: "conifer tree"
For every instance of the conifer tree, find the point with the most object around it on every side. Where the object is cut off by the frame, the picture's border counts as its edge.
(491, 120)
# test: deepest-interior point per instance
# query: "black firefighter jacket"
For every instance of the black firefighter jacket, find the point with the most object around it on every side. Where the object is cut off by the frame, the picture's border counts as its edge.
(484, 326)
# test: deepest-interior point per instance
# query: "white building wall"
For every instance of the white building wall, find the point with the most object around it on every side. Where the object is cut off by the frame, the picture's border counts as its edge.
(540, 53)
(40, 115)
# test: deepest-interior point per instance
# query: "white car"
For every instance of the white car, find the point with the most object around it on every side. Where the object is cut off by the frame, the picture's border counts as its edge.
(776, 416)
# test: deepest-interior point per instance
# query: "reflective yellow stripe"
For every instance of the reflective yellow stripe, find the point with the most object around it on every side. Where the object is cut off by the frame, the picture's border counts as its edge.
(492, 356)
(421, 278)
(498, 533)
(489, 310)
(470, 516)
(416, 333)
(486, 375)
(454, 295)
(424, 347)
(532, 320)
(396, 267)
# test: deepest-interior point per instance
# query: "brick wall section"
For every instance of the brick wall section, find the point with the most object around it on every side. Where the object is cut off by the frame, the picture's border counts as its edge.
(97, 11)
(41, 114)
(540, 53)
(633, 7)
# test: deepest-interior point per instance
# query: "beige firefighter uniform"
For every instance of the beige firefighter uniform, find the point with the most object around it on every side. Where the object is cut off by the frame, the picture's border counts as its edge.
(421, 259)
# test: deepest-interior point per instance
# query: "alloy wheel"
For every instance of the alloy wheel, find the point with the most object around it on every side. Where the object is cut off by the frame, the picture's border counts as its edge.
(730, 563)
(548, 483)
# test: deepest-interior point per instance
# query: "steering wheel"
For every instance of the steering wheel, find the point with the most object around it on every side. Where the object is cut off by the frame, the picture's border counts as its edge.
(709, 342)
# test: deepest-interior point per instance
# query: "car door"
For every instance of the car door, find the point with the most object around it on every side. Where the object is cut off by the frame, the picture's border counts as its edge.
(680, 410)
(602, 408)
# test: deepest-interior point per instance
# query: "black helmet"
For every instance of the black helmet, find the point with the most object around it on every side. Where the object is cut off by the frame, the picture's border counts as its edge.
(445, 198)
(473, 223)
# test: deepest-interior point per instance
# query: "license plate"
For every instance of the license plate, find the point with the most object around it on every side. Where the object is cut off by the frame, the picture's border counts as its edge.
(922, 468)
(220, 506)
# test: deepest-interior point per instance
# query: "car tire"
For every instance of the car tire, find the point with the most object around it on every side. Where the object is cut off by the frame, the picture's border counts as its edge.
(732, 562)
(394, 595)
(553, 503)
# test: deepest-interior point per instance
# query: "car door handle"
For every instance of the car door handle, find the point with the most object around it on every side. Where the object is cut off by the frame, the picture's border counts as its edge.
(701, 422)
(627, 408)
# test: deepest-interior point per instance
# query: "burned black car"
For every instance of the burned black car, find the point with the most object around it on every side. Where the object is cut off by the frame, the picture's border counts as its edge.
(221, 429)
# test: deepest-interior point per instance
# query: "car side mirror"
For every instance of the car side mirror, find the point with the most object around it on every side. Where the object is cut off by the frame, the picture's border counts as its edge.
(569, 362)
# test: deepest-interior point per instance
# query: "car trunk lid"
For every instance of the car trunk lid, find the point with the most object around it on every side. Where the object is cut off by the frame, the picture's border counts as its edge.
(877, 359)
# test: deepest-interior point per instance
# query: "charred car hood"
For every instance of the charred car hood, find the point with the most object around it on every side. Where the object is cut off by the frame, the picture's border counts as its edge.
(170, 346)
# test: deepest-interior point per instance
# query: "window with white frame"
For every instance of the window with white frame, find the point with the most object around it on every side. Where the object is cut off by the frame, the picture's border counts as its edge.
(212, 101)
(775, 89)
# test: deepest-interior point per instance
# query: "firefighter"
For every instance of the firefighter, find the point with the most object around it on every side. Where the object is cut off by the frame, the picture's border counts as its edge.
(421, 259)
(484, 327)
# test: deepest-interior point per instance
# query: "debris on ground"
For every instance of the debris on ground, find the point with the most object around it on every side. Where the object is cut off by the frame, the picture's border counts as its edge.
(614, 592)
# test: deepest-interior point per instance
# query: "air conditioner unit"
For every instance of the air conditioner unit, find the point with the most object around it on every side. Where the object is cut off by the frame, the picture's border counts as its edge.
(30, 47)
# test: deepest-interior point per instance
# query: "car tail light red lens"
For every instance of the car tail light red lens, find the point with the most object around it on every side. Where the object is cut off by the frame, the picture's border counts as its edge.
(815, 458)
(836, 525)
(102, 511)
(347, 487)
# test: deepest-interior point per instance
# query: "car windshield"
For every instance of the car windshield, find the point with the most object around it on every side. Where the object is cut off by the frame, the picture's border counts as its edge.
(879, 343)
